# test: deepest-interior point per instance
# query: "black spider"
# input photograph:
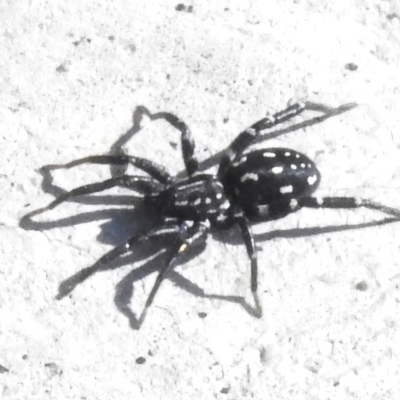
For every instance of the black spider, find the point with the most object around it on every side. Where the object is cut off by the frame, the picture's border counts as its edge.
(257, 186)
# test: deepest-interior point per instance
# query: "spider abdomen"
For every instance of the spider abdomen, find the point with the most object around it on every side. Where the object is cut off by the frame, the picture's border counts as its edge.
(266, 183)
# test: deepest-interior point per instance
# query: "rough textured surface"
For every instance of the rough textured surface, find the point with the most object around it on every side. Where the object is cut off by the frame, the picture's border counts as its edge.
(71, 75)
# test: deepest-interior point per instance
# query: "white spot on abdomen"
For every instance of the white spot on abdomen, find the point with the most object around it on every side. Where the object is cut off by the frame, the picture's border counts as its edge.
(225, 205)
(269, 154)
(277, 170)
(286, 189)
(249, 177)
(312, 179)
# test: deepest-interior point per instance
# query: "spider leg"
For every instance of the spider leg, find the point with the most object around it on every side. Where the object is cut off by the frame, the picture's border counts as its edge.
(155, 170)
(196, 235)
(69, 284)
(139, 183)
(248, 136)
(346, 202)
(187, 141)
(252, 253)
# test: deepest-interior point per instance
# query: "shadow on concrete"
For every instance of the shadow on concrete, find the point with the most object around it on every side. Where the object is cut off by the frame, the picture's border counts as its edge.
(123, 223)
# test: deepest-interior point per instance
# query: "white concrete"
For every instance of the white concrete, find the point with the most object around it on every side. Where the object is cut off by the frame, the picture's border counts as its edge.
(71, 75)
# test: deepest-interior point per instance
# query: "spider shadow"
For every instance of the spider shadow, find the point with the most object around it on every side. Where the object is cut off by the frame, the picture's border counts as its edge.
(124, 223)
(153, 253)
(125, 289)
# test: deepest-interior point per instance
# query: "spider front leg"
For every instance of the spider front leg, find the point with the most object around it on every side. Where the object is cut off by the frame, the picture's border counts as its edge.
(155, 170)
(194, 236)
(66, 287)
(142, 184)
(187, 142)
(138, 183)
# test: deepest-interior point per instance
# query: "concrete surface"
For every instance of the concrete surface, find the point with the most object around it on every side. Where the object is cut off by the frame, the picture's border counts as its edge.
(71, 76)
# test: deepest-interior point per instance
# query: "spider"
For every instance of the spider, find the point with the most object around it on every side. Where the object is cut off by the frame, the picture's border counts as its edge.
(249, 187)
